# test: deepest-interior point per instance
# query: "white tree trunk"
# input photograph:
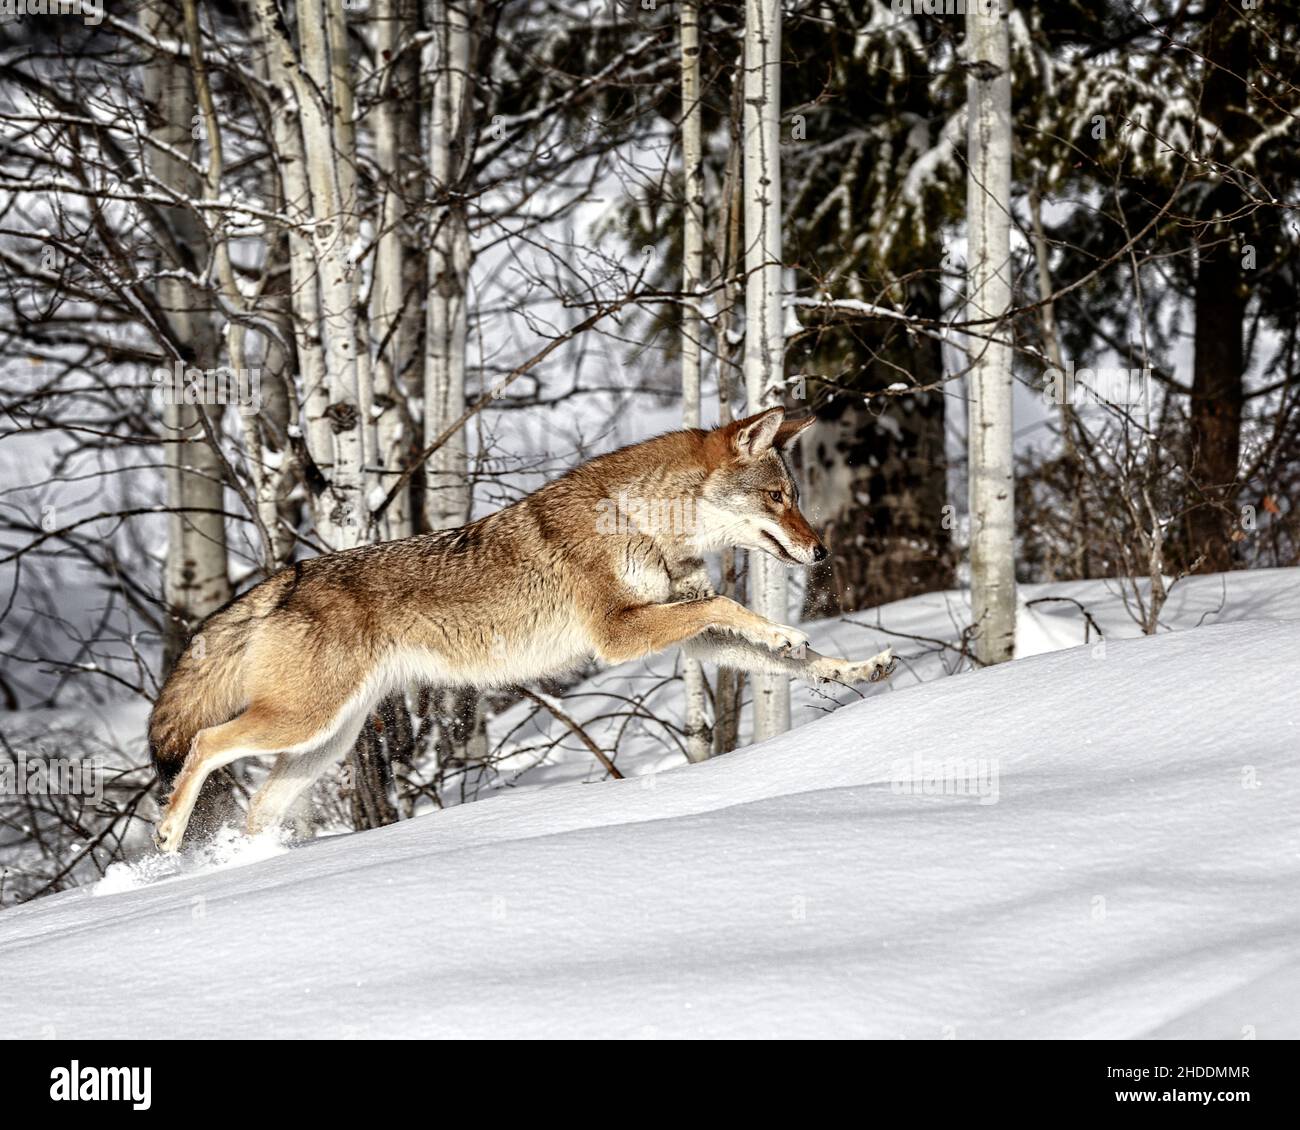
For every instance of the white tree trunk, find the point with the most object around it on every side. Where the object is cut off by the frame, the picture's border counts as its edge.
(988, 210)
(764, 337)
(330, 169)
(446, 473)
(447, 493)
(262, 501)
(699, 740)
(267, 426)
(195, 579)
(392, 308)
(288, 133)
(345, 147)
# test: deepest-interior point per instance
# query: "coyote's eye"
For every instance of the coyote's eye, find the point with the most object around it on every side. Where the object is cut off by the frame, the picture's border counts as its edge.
(775, 495)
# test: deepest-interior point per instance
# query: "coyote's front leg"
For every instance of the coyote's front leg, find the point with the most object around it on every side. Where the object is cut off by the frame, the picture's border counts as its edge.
(806, 664)
(636, 631)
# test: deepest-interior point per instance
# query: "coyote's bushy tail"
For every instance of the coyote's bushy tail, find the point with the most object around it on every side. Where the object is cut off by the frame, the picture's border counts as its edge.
(205, 688)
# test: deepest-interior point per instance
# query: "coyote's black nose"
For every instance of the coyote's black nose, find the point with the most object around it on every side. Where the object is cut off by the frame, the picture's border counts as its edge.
(820, 554)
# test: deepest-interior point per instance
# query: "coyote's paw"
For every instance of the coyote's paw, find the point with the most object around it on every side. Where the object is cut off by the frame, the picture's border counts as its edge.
(779, 637)
(873, 670)
(876, 669)
(168, 835)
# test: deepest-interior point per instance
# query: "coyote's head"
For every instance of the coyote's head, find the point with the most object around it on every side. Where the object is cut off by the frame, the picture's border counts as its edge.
(749, 498)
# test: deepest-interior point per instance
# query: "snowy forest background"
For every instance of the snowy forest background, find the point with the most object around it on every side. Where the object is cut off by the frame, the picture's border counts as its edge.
(404, 261)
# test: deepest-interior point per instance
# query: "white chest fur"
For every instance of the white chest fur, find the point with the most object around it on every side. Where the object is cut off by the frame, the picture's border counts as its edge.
(644, 574)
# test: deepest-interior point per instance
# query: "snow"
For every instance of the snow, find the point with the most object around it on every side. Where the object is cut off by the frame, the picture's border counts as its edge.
(924, 632)
(852, 305)
(1138, 874)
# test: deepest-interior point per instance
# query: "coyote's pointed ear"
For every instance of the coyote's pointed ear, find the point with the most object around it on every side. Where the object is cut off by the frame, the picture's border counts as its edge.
(791, 430)
(753, 436)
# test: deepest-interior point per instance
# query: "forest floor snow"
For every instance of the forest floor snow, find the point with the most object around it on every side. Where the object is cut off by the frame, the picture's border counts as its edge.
(1081, 843)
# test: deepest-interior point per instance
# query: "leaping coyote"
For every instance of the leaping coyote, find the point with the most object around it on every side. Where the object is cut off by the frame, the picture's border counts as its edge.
(605, 561)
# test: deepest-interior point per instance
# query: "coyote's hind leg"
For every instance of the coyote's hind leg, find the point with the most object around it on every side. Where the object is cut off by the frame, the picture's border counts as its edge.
(291, 776)
(261, 729)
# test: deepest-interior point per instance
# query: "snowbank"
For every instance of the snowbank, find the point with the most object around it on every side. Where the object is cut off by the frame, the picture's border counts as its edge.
(1125, 863)
(625, 709)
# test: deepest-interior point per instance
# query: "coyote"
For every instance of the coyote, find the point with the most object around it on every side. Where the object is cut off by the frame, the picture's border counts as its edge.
(293, 668)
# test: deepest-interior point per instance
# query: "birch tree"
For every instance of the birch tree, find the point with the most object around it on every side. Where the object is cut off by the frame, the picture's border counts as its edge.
(447, 492)
(195, 579)
(304, 314)
(324, 101)
(446, 330)
(698, 738)
(989, 266)
(764, 363)
(396, 300)
(728, 682)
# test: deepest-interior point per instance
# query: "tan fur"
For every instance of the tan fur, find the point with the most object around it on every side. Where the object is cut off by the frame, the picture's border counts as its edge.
(293, 667)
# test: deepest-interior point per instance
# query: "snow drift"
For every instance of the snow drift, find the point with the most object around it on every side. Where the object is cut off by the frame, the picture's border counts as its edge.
(1121, 859)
